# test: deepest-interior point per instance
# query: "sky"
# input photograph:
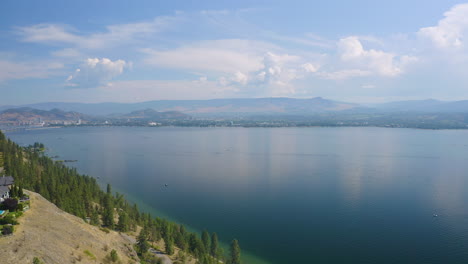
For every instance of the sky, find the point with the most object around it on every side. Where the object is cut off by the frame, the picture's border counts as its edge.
(132, 51)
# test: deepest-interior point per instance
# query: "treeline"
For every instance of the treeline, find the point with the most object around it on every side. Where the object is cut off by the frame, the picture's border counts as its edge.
(81, 195)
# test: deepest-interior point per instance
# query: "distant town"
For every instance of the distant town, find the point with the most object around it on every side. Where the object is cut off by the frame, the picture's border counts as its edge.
(260, 112)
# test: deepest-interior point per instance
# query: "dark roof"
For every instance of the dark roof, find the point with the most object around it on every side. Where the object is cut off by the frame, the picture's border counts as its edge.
(6, 180)
(4, 189)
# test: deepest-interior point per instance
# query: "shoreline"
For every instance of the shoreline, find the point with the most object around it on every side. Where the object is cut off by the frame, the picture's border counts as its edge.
(247, 256)
(7, 131)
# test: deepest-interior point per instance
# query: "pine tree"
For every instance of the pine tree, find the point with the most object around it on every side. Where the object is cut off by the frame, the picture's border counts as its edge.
(122, 225)
(12, 191)
(169, 246)
(206, 240)
(142, 242)
(214, 245)
(235, 252)
(20, 191)
(108, 215)
(94, 218)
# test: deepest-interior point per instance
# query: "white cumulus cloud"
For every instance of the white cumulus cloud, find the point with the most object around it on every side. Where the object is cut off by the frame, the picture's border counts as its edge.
(96, 72)
(449, 31)
(353, 53)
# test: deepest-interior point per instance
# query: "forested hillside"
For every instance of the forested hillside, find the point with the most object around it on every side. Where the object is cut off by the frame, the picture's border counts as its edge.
(81, 195)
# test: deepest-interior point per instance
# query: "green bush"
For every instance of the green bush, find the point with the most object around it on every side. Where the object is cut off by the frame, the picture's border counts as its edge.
(9, 219)
(89, 254)
(114, 256)
(105, 230)
(36, 260)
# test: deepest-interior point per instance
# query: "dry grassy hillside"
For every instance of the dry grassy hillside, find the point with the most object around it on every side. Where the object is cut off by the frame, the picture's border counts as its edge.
(54, 236)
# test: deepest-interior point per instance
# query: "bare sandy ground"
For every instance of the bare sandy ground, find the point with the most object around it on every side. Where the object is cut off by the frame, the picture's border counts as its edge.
(54, 236)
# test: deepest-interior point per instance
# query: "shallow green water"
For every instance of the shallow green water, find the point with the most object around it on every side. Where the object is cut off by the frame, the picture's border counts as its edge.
(291, 195)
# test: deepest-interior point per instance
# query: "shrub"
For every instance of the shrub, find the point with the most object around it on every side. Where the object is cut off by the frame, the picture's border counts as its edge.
(10, 204)
(9, 219)
(7, 230)
(36, 260)
(89, 254)
(114, 256)
(105, 230)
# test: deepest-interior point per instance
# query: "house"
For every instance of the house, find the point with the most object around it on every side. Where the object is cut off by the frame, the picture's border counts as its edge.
(5, 183)
(4, 193)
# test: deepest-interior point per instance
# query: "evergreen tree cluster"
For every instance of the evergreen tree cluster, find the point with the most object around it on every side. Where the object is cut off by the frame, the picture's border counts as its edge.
(205, 249)
(81, 195)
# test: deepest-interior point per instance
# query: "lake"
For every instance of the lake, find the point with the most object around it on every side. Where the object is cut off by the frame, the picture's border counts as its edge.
(290, 195)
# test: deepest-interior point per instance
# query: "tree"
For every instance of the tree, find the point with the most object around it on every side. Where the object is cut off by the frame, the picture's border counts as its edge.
(20, 191)
(10, 204)
(214, 245)
(94, 218)
(108, 215)
(122, 225)
(235, 252)
(13, 192)
(169, 246)
(113, 255)
(142, 242)
(206, 240)
(109, 189)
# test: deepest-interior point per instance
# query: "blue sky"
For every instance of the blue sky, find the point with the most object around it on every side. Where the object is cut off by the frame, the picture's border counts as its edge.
(122, 51)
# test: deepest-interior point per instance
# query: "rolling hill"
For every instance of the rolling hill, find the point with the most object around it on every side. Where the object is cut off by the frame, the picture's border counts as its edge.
(206, 107)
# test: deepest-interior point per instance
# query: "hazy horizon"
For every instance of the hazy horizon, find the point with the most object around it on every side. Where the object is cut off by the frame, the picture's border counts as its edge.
(233, 98)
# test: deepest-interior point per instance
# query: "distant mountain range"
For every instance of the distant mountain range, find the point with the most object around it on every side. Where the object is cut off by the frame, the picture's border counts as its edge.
(30, 115)
(317, 111)
(239, 107)
(27, 115)
(429, 105)
(205, 107)
(153, 115)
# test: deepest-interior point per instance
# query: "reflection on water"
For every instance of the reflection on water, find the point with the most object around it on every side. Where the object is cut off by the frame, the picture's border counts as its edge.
(292, 195)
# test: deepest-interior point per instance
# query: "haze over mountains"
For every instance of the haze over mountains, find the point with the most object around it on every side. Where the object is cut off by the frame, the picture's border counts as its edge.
(27, 114)
(204, 107)
(253, 106)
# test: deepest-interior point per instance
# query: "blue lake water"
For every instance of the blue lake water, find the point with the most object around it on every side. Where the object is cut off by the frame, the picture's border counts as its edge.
(291, 195)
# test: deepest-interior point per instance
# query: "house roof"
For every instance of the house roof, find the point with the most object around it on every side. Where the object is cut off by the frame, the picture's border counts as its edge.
(6, 180)
(4, 189)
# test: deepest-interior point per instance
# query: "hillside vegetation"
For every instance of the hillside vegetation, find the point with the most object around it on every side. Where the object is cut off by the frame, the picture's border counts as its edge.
(81, 196)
